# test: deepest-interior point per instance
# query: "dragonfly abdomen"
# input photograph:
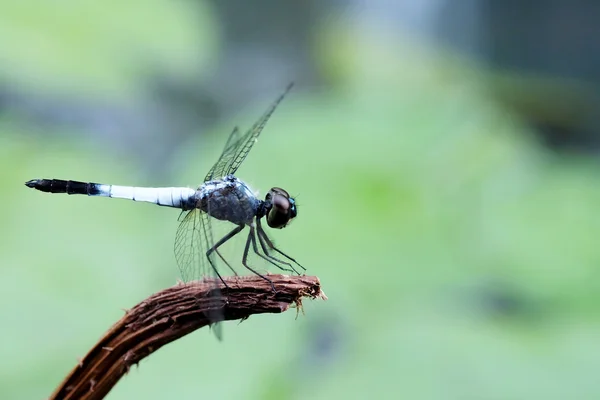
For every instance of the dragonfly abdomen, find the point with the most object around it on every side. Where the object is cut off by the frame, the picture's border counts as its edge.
(177, 197)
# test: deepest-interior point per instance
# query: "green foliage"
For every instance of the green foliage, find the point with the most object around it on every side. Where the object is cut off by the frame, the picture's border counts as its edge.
(87, 47)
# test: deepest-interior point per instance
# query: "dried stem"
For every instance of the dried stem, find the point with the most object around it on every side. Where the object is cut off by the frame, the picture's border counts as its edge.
(173, 313)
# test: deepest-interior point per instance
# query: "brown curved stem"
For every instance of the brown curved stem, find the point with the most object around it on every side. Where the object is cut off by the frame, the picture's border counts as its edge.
(173, 313)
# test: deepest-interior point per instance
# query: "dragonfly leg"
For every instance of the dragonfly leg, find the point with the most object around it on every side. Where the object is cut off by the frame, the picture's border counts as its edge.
(274, 260)
(215, 248)
(245, 257)
(268, 257)
(263, 235)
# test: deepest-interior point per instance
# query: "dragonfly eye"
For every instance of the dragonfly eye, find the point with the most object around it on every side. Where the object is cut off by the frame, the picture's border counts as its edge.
(283, 208)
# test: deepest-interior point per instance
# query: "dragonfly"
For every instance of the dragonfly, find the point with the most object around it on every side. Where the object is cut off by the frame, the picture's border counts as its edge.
(222, 196)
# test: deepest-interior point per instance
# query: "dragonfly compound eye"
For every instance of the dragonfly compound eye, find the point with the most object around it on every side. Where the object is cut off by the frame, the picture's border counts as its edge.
(283, 208)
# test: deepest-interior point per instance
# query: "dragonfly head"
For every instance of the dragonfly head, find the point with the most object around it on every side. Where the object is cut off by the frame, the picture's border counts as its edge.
(281, 208)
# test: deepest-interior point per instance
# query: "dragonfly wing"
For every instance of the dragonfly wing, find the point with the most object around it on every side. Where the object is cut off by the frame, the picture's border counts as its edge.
(228, 152)
(246, 142)
(192, 241)
(238, 146)
(189, 246)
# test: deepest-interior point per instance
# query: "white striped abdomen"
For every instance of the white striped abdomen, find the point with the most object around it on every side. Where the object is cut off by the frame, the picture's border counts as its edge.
(178, 197)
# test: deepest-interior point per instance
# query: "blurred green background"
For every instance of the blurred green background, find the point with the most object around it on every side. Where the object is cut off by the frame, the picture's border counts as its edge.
(448, 193)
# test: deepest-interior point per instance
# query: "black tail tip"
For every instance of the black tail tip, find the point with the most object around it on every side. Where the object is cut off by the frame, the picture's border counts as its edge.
(32, 183)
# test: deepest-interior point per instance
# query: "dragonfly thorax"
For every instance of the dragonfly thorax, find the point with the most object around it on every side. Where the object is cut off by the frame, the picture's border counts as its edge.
(228, 199)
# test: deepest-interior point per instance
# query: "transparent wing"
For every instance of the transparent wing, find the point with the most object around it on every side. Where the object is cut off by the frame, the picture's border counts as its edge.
(208, 269)
(226, 155)
(238, 147)
(192, 240)
(190, 247)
